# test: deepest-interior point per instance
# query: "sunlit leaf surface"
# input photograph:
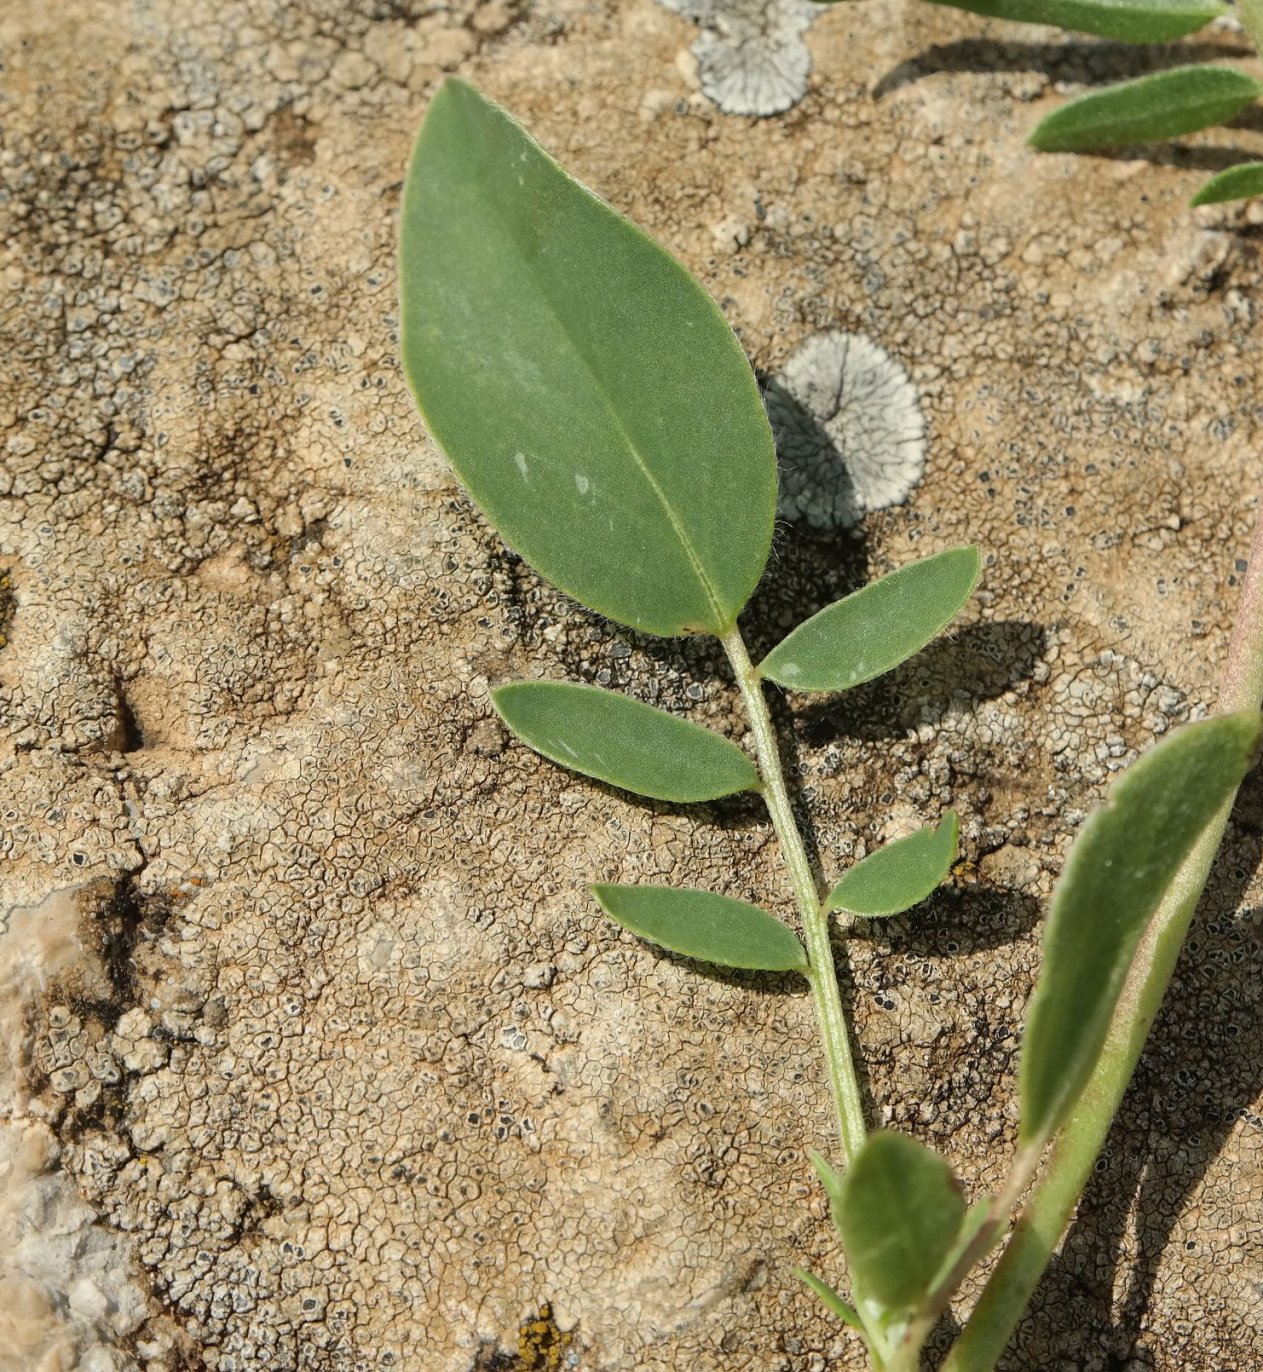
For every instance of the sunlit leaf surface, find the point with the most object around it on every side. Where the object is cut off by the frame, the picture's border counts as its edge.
(900, 875)
(899, 1215)
(586, 389)
(1128, 21)
(877, 628)
(705, 926)
(1236, 183)
(1164, 105)
(608, 736)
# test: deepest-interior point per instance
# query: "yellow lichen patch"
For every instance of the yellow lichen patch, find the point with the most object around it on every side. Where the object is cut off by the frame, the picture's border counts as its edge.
(541, 1346)
(965, 872)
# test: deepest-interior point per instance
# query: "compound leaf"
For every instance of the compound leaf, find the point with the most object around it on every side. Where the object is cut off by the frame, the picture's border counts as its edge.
(1234, 183)
(899, 1214)
(705, 926)
(876, 628)
(608, 736)
(1122, 862)
(588, 392)
(1128, 21)
(1163, 105)
(899, 875)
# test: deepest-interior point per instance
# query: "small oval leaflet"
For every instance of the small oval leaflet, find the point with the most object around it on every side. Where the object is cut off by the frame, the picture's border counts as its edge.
(899, 1213)
(1128, 21)
(1234, 183)
(1164, 105)
(1119, 868)
(609, 736)
(899, 875)
(590, 395)
(705, 926)
(876, 628)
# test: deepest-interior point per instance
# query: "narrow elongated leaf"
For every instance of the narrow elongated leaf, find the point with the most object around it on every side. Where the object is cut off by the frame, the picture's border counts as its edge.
(1129, 21)
(705, 926)
(846, 1313)
(606, 735)
(899, 875)
(1118, 870)
(831, 1180)
(899, 1216)
(878, 627)
(1164, 105)
(588, 392)
(1236, 183)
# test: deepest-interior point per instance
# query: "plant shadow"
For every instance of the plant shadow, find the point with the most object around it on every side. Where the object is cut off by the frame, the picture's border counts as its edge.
(1185, 1111)
(1079, 59)
(957, 920)
(743, 978)
(1181, 156)
(743, 810)
(977, 663)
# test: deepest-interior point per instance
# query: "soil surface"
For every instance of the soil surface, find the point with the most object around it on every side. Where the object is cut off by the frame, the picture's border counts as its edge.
(325, 1059)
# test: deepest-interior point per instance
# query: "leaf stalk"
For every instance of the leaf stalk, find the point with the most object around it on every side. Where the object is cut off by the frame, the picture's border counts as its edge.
(809, 895)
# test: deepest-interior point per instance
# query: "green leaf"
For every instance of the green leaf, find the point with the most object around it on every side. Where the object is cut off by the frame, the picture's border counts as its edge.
(1235, 183)
(586, 389)
(899, 875)
(831, 1179)
(1117, 873)
(878, 627)
(608, 736)
(899, 1216)
(1164, 105)
(1129, 21)
(705, 926)
(831, 1299)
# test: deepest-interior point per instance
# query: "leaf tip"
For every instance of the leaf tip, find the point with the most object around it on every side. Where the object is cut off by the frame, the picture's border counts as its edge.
(829, 1176)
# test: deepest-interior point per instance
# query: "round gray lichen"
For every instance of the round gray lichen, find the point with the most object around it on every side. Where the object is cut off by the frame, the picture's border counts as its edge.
(849, 431)
(751, 58)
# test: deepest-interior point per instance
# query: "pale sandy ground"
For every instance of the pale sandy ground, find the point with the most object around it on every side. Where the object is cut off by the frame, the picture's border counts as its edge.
(324, 1059)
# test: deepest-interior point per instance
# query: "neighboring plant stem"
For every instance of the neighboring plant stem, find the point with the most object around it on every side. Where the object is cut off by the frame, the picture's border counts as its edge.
(1250, 12)
(1001, 1206)
(809, 895)
(1061, 1183)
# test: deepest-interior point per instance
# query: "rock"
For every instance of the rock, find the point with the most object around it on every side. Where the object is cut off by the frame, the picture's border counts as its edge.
(255, 803)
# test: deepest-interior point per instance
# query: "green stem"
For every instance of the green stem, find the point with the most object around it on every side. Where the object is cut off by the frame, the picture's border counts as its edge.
(1250, 12)
(822, 975)
(1080, 1141)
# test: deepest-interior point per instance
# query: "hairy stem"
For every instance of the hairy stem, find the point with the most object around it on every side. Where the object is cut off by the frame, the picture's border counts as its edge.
(822, 975)
(1077, 1146)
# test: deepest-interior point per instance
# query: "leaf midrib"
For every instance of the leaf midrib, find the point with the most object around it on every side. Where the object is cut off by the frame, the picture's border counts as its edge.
(681, 533)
